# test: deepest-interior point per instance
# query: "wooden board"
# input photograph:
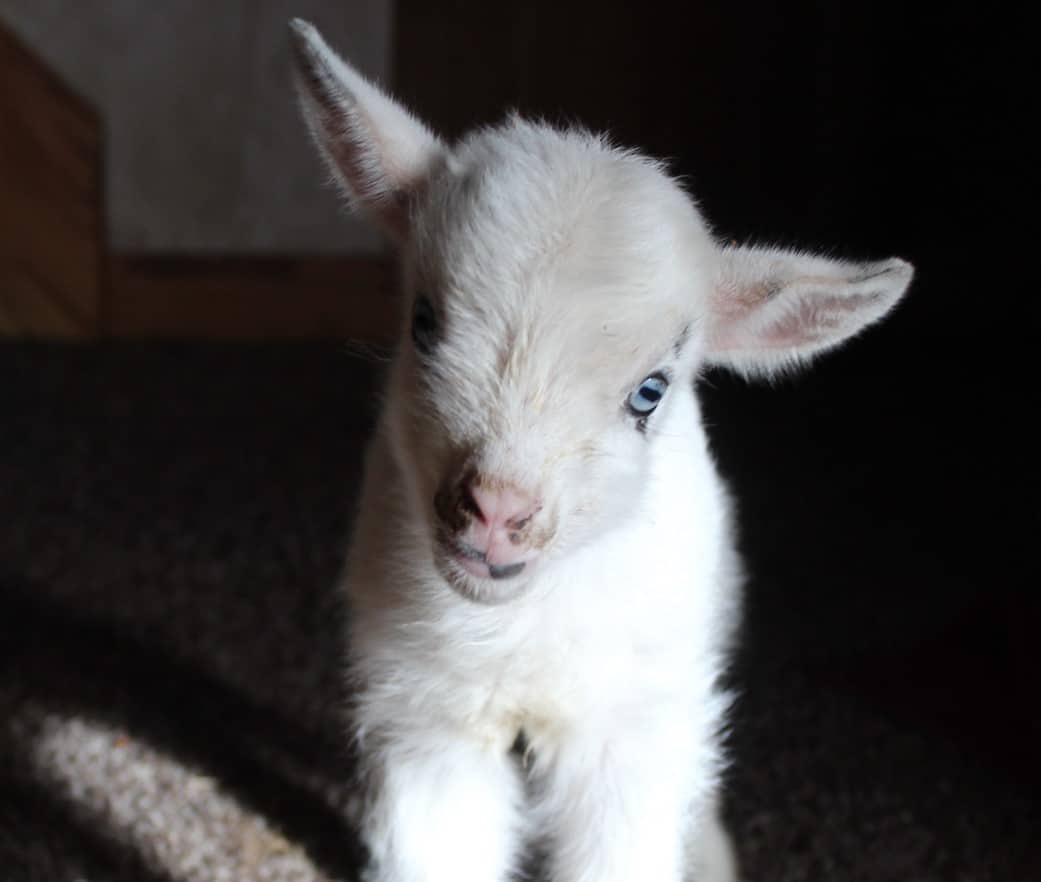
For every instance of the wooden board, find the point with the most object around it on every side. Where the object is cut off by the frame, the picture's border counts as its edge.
(250, 299)
(51, 228)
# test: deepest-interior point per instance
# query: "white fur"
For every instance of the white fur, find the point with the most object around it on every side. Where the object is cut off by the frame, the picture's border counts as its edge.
(562, 271)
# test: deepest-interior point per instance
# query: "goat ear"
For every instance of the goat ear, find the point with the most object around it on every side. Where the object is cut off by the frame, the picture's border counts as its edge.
(378, 153)
(772, 308)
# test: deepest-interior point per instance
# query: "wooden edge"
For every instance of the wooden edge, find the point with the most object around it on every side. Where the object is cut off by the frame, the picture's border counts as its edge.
(51, 201)
(12, 44)
(233, 298)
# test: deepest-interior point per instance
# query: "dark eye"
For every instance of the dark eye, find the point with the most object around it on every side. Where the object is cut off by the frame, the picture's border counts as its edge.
(424, 325)
(646, 397)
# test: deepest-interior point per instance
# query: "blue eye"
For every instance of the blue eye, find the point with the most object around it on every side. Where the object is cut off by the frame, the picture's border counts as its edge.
(646, 397)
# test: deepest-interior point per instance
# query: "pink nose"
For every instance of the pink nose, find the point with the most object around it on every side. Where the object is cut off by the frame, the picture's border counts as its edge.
(494, 542)
(503, 509)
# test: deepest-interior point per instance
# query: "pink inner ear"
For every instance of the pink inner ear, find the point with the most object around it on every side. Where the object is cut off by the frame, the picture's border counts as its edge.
(733, 301)
(812, 318)
(363, 163)
(378, 153)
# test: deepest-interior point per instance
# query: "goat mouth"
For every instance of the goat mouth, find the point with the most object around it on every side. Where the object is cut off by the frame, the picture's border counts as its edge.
(475, 563)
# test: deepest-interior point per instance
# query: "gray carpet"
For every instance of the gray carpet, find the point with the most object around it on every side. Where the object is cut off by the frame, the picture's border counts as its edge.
(171, 522)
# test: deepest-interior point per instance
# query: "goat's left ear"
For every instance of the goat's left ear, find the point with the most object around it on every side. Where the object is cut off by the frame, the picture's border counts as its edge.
(772, 308)
(377, 151)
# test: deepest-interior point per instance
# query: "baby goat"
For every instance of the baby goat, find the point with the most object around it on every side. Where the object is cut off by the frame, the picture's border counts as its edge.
(543, 553)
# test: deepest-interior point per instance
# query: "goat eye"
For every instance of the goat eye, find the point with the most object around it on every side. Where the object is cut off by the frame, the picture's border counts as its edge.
(646, 397)
(424, 325)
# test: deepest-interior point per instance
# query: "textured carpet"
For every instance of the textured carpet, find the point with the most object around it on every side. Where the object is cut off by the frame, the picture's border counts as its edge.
(172, 520)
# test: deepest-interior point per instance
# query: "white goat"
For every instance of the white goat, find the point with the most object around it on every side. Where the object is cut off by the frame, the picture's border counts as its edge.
(543, 554)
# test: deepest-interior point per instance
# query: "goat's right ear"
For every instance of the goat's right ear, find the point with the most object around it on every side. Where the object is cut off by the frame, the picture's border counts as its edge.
(378, 153)
(772, 308)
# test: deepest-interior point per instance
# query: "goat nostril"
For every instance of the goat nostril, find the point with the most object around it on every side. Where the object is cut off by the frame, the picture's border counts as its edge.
(468, 503)
(519, 523)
